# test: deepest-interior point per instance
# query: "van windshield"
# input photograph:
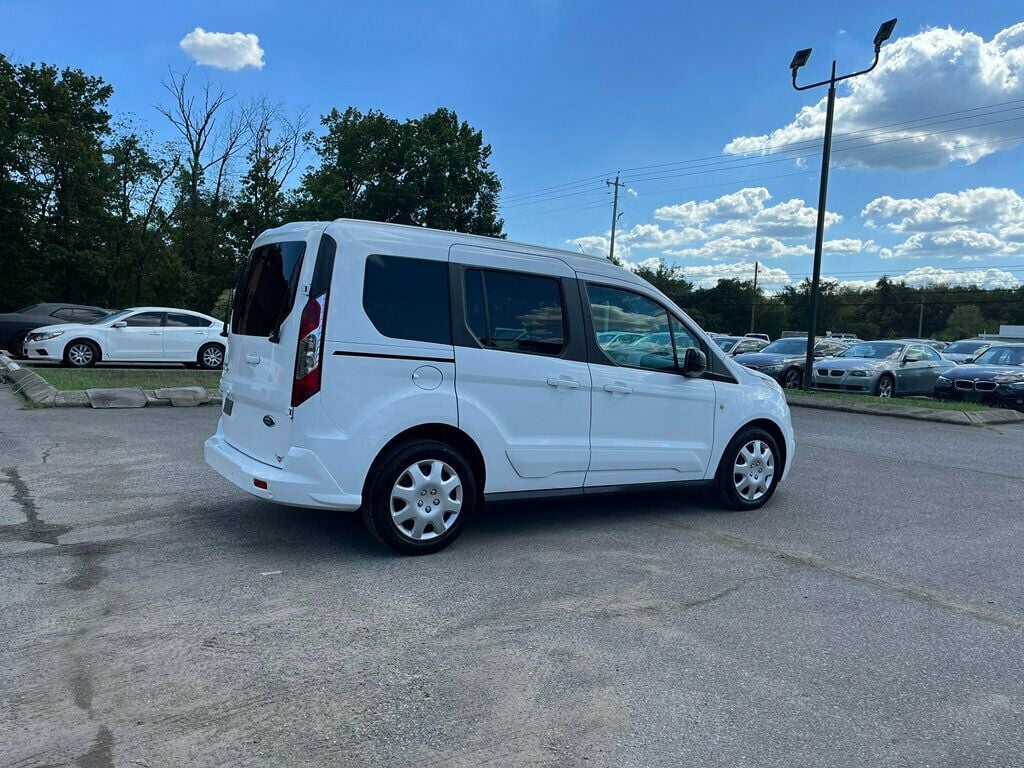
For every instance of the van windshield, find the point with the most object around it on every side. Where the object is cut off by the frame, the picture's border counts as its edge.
(266, 288)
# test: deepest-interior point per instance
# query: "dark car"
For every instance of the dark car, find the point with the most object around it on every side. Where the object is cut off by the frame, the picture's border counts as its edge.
(961, 351)
(784, 359)
(995, 377)
(738, 345)
(15, 326)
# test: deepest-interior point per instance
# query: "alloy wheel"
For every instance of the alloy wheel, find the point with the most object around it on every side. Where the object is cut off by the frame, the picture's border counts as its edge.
(885, 387)
(213, 357)
(791, 379)
(753, 470)
(426, 500)
(80, 354)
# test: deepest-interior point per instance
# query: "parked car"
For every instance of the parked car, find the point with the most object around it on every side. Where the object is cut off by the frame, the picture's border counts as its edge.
(737, 345)
(609, 338)
(369, 376)
(882, 368)
(15, 326)
(935, 344)
(996, 377)
(960, 351)
(137, 335)
(785, 359)
(849, 338)
(763, 336)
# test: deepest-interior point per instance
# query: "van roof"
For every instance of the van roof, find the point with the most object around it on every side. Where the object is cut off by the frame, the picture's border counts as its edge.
(581, 262)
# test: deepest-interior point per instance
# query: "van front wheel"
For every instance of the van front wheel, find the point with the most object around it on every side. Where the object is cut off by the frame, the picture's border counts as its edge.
(749, 471)
(420, 497)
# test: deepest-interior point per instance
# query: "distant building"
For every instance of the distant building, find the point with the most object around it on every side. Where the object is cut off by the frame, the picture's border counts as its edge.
(1006, 333)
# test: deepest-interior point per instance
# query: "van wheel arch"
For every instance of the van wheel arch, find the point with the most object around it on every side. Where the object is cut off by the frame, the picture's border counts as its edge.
(772, 429)
(443, 433)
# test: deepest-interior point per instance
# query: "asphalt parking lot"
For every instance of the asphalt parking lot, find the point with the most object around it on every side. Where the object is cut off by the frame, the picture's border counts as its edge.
(151, 615)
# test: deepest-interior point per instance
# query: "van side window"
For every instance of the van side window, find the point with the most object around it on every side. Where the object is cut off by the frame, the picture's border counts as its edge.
(633, 330)
(408, 298)
(515, 312)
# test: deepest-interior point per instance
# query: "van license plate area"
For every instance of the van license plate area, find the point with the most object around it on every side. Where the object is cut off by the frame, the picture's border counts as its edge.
(228, 405)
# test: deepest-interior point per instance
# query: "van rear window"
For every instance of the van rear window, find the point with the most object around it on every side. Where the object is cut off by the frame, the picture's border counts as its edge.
(266, 289)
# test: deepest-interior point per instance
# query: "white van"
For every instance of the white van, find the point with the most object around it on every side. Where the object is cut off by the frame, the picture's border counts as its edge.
(414, 373)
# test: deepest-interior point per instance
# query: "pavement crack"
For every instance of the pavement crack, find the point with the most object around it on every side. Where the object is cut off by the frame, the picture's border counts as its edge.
(34, 529)
(913, 592)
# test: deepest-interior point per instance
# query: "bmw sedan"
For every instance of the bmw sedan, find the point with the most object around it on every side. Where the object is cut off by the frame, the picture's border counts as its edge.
(883, 369)
(784, 360)
(139, 335)
(961, 351)
(995, 377)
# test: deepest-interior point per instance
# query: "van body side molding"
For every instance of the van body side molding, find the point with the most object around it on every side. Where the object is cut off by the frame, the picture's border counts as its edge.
(426, 358)
(597, 490)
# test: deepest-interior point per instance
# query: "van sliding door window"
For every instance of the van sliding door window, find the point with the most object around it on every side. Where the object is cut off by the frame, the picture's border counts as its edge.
(266, 289)
(408, 298)
(515, 312)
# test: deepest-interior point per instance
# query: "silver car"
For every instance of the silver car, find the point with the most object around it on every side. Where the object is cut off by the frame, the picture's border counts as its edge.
(882, 368)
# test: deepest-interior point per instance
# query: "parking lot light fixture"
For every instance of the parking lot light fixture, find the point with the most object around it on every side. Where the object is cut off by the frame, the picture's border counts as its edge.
(799, 60)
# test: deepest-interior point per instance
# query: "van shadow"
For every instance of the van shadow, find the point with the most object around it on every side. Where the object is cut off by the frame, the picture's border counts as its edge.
(300, 533)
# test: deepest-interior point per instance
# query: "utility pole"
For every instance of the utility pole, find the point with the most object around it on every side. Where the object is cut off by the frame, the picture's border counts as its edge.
(799, 60)
(920, 320)
(615, 213)
(753, 301)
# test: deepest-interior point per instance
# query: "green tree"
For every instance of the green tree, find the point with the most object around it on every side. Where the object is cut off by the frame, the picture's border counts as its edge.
(431, 172)
(964, 322)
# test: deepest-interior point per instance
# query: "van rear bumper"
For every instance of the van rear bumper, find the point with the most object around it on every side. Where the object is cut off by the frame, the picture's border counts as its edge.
(300, 481)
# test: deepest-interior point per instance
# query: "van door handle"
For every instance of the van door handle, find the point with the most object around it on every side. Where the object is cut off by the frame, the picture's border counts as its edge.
(252, 358)
(563, 383)
(618, 389)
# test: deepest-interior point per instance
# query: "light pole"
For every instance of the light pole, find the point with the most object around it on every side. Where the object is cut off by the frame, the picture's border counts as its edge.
(799, 59)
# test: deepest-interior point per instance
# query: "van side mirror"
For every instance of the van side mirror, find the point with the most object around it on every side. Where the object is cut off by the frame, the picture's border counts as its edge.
(120, 324)
(694, 364)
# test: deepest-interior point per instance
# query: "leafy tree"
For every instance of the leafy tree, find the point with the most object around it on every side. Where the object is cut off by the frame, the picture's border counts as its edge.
(965, 321)
(431, 172)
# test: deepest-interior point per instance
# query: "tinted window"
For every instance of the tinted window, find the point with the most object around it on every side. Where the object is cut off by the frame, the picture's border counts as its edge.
(64, 314)
(266, 288)
(408, 298)
(145, 320)
(1002, 356)
(964, 347)
(624, 311)
(515, 312)
(176, 320)
(786, 347)
(88, 315)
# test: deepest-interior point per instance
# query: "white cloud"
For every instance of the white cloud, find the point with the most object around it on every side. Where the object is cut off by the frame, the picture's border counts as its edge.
(745, 213)
(979, 207)
(741, 248)
(223, 50)
(934, 72)
(970, 224)
(984, 278)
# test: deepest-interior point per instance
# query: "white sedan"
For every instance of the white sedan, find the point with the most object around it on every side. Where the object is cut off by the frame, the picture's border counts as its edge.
(138, 335)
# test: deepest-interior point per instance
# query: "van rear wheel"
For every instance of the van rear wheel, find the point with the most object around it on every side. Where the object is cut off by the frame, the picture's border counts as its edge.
(420, 497)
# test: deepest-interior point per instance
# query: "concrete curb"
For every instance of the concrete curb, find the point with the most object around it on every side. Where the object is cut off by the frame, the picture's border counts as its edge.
(37, 390)
(964, 418)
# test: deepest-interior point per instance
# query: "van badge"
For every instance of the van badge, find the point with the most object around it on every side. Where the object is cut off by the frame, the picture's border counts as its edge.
(268, 421)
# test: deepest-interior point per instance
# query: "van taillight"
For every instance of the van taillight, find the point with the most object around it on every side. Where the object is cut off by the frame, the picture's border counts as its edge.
(310, 349)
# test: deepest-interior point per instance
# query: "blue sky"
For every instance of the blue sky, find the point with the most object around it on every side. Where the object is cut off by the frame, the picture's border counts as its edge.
(568, 91)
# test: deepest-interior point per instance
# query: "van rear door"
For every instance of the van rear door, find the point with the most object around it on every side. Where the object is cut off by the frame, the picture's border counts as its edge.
(262, 338)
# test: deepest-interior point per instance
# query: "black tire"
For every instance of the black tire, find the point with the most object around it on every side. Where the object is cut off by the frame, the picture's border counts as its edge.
(76, 356)
(792, 379)
(880, 387)
(16, 345)
(378, 507)
(207, 357)
(726, 490)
